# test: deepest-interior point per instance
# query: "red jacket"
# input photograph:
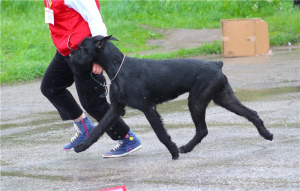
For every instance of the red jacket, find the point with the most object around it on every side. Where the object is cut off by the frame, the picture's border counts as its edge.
(69, 27)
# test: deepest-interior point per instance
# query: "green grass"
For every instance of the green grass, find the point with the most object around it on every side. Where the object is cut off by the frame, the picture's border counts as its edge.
(206, 49)
(27, 49)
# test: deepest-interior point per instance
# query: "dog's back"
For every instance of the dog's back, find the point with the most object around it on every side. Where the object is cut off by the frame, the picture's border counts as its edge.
(163, 80)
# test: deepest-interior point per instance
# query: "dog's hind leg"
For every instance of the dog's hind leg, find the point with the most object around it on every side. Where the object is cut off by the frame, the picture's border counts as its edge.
(157, 125)
(226, 98)
(198, 103)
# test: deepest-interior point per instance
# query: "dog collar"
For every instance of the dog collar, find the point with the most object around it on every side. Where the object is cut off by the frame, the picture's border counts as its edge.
(117, 72)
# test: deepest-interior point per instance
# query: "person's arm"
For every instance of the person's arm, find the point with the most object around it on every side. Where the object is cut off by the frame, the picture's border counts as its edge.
(90, 13)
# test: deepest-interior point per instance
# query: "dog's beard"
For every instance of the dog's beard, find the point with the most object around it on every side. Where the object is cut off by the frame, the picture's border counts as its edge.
(82, 61)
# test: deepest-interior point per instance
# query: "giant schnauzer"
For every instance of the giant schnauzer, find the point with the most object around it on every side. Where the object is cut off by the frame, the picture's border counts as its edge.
(144, 83)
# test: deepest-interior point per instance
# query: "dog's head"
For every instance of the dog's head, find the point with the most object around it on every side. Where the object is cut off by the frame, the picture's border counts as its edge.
(89, 51)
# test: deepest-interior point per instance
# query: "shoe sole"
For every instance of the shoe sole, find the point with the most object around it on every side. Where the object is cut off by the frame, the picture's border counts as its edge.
(68, 150)
(122, 155)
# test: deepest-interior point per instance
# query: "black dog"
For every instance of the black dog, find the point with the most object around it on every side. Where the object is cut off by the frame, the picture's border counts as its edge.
(144, 83)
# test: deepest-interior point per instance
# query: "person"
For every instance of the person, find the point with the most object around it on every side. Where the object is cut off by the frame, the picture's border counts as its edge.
(297, 3)
(70, 21)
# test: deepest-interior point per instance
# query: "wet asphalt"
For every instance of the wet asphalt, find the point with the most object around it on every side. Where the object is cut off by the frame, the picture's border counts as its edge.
(232, 157)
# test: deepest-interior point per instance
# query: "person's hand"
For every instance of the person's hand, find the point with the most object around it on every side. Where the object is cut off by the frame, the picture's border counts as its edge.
(97, 69)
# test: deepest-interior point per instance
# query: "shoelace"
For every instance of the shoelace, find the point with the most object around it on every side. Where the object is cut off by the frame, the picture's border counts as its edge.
(120, 142)
(76, 134)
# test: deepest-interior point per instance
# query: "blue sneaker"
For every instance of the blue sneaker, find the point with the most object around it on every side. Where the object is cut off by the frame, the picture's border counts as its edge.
(127, 145)
(83, 129)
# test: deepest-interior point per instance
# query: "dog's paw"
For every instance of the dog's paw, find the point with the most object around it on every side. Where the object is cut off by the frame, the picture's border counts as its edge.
(175, 153)
(174, 157)
(183, 149)
(79, 148)
(268, 136)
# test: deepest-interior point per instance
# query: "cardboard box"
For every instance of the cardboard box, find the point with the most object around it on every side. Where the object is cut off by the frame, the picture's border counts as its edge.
(244, 37)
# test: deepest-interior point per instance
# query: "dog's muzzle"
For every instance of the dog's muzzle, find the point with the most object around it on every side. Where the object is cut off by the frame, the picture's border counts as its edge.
(81, 60)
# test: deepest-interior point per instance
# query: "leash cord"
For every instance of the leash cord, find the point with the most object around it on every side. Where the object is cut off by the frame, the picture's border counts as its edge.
(106, 85)
(103, 85)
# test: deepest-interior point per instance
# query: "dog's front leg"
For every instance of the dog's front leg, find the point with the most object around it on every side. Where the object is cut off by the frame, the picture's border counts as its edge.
(157, 125)
(107, 121)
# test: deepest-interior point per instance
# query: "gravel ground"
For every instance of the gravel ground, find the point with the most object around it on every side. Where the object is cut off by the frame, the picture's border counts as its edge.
(232, 157)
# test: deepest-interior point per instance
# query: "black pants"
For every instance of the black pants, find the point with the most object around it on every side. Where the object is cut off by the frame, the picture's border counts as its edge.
(60, 75)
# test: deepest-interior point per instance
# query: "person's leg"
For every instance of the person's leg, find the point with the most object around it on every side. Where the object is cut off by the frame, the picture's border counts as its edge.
(93, 100)
(57, 78)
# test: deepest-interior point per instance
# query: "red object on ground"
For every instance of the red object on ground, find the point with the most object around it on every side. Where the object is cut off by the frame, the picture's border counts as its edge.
(119, 188)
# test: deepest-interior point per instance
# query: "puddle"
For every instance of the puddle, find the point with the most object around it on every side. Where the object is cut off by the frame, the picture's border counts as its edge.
(284, 49)
(36, 135)
(38, 176)
(260, 94)
(31, 120)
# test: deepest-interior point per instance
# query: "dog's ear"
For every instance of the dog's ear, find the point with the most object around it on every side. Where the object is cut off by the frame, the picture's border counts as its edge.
(112, 38)
(101, 41)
